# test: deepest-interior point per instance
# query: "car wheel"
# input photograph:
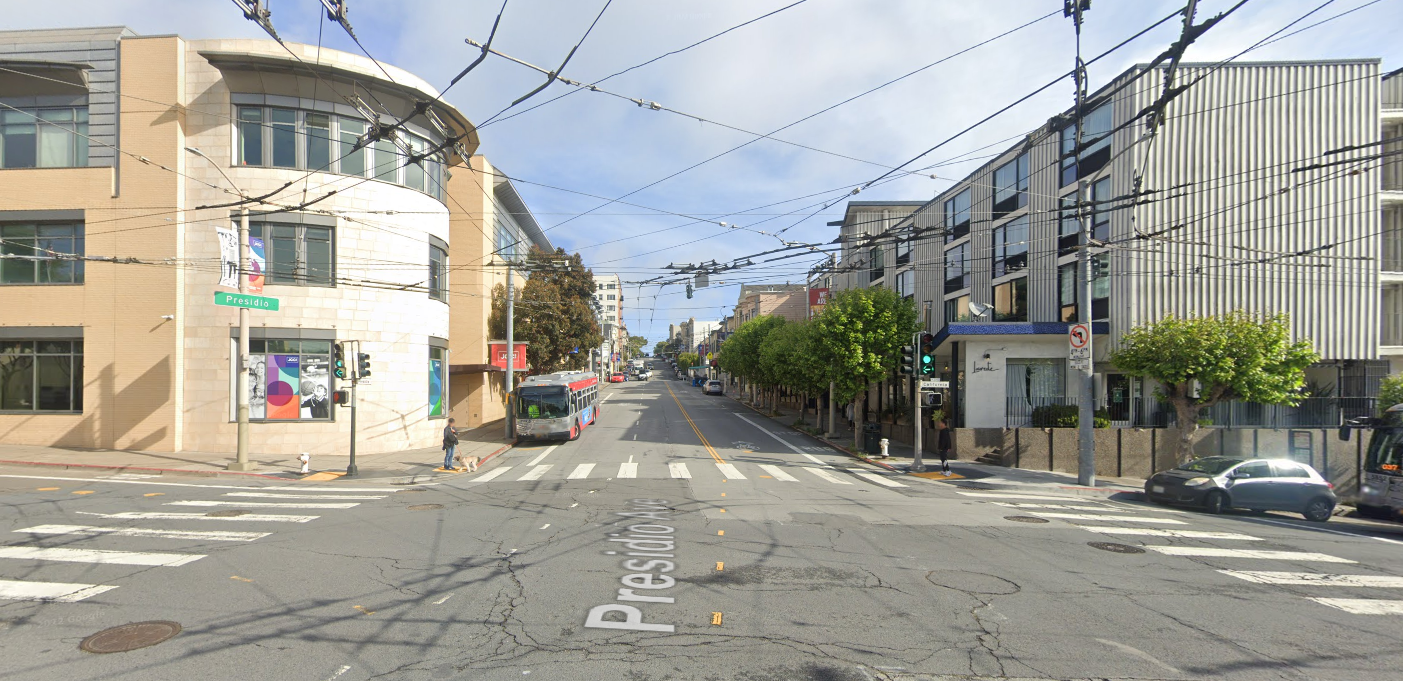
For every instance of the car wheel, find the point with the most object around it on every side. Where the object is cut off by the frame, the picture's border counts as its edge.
(1319, 510)
(1215, 502)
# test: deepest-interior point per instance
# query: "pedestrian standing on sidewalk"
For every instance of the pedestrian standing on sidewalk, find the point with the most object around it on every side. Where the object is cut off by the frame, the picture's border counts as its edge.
(942, 443)
(450, 443)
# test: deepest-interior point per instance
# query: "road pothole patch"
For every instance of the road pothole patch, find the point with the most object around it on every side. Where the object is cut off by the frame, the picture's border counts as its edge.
(973, 582)
(228, 513)
(424, 507)
(1114, 547)
(1024, 519)
(130, 637)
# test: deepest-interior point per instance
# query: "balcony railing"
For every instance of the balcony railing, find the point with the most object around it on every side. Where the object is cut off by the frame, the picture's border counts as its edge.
(1312, 412)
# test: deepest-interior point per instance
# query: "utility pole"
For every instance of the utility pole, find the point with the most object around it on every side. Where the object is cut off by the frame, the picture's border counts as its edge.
(511, 352)
(241, 462)
(1086, 443)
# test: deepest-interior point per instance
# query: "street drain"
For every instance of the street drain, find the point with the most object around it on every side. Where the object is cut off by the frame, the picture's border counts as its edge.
(1114, 547)
(1024, 519)
(130, 637)
(231, 513)
(425, 507)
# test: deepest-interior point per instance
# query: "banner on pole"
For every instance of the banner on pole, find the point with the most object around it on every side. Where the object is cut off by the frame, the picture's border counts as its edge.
(228, 257)
(255, 265)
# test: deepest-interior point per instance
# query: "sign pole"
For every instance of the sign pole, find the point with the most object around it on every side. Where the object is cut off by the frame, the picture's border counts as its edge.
(1086, 449)
(351, 469)
(917, 465)
(511, 352)
(241, 462)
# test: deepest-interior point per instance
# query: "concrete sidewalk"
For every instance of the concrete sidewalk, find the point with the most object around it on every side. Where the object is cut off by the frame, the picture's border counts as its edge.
(408, 466)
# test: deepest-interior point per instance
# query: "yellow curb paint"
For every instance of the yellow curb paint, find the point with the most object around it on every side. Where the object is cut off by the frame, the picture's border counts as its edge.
(723, 510)
(723, 494)
(716, 618)
(938, 476)
(241, 579)
(154, 494)
(47, 489)
(362, 609)
(720, 533)
(766, 476)
(324, 475)
(84, 491)
(719, 565)
(748, 451)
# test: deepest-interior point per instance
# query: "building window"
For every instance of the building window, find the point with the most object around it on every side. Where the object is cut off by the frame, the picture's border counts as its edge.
(906, 283)
(297, 255)
(957, 268)
(284, 124)
(291, 380)
(386, 161)
(957, 216)
(610, 308)
(250, 136)
(352, 162)
(1096, 145)
(610, 318)
(41, 254)
(438, 382)
(1011, 186)
(41, 376)
(438, 273)
(610, 296)
(414, 172)
(1068, 290)
(1011, 246)
(1068, 226)
(875, 266)
(318, 141)
(1011, 301)
(506, 243)
(1101, 214)
(957, 309)
(903, 248)
(44, 138)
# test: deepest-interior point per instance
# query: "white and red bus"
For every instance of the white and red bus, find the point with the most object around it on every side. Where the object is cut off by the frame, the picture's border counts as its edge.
(556, 406)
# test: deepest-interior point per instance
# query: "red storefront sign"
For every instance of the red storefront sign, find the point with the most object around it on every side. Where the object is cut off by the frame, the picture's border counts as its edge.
(497, 350)
(818, 297)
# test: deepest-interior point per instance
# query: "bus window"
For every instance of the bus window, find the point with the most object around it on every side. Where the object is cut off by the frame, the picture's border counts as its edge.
(543, 403)
(1385, 452)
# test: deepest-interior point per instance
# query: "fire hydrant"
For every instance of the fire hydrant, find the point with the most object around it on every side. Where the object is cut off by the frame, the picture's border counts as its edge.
(306, 460)
(884, 448)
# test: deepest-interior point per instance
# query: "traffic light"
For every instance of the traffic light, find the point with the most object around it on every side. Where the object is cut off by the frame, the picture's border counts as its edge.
(362, 365)
(927, 356)
(339, 361)
(689, 291)
(341, 396)
(908, 360)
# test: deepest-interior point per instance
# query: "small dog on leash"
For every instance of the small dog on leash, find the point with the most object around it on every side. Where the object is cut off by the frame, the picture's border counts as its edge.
(467, 462)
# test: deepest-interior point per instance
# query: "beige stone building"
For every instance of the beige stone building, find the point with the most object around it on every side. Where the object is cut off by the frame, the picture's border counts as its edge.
(121, 155)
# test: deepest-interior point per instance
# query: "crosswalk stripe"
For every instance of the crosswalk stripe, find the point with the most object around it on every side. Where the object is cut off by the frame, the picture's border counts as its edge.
(677, 469)
(1363, 606)
(778, 473)
(729, 471)
(1183, 534)
(1317, 579)
(1100, 509)
(828, 476)
(879, 479)
(535, 472)
(492, 474)
(253, 517)
(543, 455)
(581, 471)
(786, 443)
(195, 535)
(97, 556)
(343, 497)
(1011, 495)
(628, 469)
(1248, 553)
(59, 592)
(1108, 518)
(260, 504)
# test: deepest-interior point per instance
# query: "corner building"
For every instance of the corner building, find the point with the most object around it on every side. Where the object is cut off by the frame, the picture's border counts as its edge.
(118, 155)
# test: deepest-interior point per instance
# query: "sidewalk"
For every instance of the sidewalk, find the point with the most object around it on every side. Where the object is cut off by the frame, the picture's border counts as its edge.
(406, 466)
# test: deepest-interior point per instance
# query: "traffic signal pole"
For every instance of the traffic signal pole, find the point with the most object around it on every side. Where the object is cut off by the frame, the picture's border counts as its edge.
(351, 470)
(511, 354)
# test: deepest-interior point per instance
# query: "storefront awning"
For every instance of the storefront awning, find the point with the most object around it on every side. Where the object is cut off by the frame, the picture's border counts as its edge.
(963, 330)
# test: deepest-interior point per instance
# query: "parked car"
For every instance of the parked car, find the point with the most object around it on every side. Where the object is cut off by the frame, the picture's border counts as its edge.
(714, 388)
(1218, 483)
(616, 378)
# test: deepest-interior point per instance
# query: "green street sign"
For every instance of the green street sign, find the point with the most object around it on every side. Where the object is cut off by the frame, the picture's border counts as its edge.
(245, 300)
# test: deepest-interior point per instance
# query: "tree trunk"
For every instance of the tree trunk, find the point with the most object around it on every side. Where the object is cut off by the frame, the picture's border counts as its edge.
(1186, 412)
(859, 406)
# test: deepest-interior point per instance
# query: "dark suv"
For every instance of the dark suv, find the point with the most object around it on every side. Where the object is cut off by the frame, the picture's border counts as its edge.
(1218, 483)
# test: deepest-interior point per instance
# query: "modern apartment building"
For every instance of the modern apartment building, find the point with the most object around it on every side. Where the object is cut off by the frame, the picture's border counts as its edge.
(1262, 192)
(121, 157)
(692, 334)
(609, 300)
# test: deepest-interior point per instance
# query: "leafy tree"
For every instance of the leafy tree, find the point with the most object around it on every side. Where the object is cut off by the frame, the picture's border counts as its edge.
(858, 337)
(787, 358)
(636, 345)
(687, 360)
(552, 312)
(661, 349)
(1390, 392)
(1201, 361)
(740, 354)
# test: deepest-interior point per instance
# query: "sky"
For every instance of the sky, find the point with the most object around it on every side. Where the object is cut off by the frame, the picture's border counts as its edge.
(758, 78)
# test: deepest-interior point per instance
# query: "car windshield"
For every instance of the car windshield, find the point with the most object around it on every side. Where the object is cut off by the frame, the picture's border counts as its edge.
(543, 403)
(1212, 465)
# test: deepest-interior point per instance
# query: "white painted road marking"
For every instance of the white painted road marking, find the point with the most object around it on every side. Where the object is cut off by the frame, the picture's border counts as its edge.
(581, 471)
(255, 517)
(1363, 606)
(441, 601)
(97, 556)
(828, 476)
(49, 591)
(1012, 495)
(679, 470)
(1108, 518)
(196, 535)
(785, 442)
(1248, 553)
(1101, 509)
(536, 472)
(492, 474)
(303, 488)
(543, 455)
(879, 479)
(778, 473)
(1317, 579)
(261, 504)
(1184, 534)
(266, 495)
(729, 471)
(545, 526)
(628, 470)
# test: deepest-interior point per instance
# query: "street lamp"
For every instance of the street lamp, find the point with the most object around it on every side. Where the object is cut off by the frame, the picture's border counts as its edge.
(241, 462)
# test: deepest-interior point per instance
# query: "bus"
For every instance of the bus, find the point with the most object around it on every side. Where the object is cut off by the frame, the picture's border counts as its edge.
(1381, 489)
(556, 406)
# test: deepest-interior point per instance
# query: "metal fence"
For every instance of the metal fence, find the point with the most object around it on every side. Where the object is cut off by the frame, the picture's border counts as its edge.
(1312, 412)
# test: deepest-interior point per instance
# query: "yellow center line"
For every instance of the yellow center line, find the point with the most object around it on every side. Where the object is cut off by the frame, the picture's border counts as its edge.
(695, 429)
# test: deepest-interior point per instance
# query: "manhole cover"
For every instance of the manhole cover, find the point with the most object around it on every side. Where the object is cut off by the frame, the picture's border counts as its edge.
(1024, 519)
(231, 513)
(425, 507)
(1114, 547)
(130, 637)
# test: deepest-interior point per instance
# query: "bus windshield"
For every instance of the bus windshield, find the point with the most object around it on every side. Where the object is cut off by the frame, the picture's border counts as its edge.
(1385, 451)
(543, 403)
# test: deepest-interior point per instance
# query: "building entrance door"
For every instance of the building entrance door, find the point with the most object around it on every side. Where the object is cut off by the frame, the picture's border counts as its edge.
(1118, 396)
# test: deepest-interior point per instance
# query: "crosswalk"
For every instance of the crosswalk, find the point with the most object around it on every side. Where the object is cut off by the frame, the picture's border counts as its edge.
(122, 539)
(681, 470)
(1232, 560)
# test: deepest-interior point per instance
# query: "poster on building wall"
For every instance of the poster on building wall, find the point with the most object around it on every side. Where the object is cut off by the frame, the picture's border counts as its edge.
(436, 407)
(284, 384)
(818, 297)
(315, 388)
(498, 353)
(228, 257)
(256, 264)
(258, 388)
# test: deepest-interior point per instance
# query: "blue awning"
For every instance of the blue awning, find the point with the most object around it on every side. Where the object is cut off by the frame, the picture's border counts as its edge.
(956, 329)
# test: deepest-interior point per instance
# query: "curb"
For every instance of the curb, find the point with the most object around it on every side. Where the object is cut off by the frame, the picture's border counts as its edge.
(426, 477)
(161, 471)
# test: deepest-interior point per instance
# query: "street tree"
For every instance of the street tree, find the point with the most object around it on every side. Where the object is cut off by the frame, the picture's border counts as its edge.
(787, 358)
(1201, 361)
(858, 337)
(660, 349)
(636, 345)
(552, 312)
(740, 354)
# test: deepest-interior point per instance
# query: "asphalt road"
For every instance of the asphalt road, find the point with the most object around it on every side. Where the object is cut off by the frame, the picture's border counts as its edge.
(764, 556)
